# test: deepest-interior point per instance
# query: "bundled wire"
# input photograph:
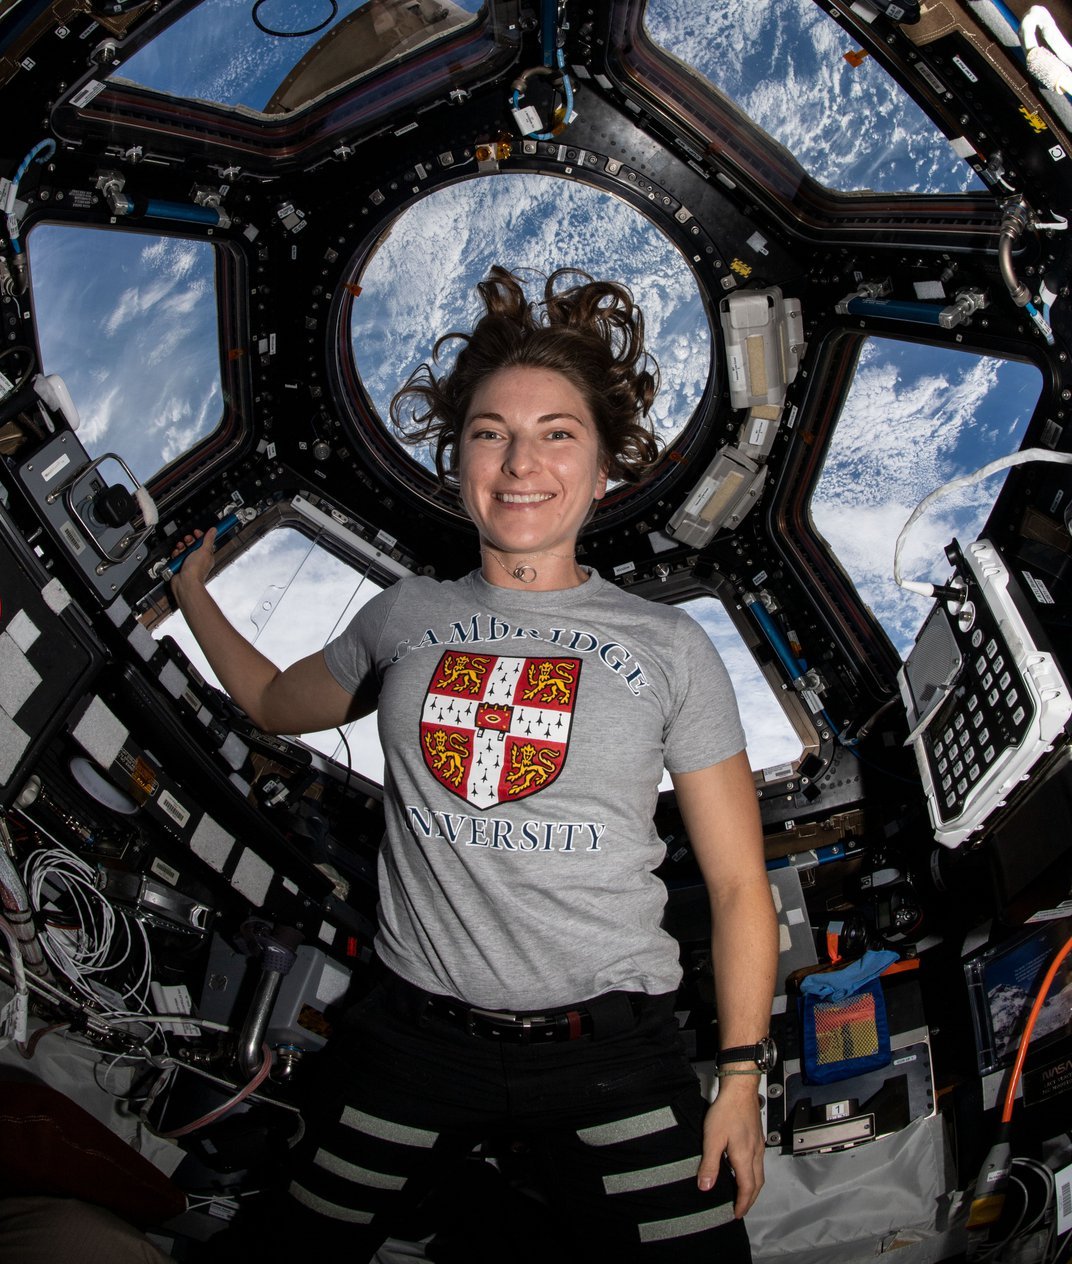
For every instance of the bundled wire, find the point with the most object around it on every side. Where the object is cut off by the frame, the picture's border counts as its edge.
(98, 953)
(16, 908)
(96, 943)
(1019, 1229)
(16, 1018)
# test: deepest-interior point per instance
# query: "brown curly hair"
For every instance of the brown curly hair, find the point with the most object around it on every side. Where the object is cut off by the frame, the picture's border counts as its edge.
(591, 333)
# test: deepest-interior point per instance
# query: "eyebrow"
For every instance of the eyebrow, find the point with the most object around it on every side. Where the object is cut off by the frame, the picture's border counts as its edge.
(544, 418)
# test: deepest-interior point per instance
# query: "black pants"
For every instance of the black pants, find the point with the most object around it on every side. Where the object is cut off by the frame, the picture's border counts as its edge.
(611, 1124)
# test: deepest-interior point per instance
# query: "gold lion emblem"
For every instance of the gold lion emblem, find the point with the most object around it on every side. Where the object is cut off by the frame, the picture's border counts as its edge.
(448, 752)
(552, 681)
(530, 767)
(462, 673)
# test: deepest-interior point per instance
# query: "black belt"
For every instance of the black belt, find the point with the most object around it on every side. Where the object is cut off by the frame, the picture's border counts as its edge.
(604, 1016)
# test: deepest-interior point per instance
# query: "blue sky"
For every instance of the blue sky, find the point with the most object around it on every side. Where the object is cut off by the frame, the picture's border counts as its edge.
(134, 336)
(217, 54)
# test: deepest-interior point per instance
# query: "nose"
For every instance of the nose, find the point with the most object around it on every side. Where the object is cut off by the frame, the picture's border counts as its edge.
(521, 457)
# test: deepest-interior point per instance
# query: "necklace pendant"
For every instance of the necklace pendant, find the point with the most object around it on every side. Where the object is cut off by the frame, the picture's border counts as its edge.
(524, 573)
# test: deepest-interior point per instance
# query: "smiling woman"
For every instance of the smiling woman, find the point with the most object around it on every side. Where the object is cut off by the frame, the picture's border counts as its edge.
(511, 836)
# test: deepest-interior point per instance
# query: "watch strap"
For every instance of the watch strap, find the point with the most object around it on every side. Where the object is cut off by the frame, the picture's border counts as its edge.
(762, 1054)
(739, 1053)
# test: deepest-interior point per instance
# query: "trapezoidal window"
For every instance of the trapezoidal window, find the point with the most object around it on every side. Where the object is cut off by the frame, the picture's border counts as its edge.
(774, 745)
(134, 336)
(314, 595)
(799, 77)
(281, 55)
(916, 416)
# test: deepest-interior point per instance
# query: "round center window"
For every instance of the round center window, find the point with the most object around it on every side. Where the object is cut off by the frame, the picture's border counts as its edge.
(420, 282)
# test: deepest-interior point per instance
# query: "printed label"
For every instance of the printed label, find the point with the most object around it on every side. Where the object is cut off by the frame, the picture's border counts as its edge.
(1042, 593)
(930, 77)
(74, 541)
(173, 808)
(86, 94)
(50, 471)
(165, 871)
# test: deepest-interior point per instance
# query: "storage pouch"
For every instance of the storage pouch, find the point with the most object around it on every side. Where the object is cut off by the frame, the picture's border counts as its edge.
(845, 1037)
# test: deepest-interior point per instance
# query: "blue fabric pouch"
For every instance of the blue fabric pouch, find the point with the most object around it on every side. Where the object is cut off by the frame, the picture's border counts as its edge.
(845, 1032)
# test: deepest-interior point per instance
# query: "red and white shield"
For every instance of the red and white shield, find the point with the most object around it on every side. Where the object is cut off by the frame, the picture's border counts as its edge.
(496, 729)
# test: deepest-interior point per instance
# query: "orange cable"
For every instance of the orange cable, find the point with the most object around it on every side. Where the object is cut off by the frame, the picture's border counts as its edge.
(1025, 1039)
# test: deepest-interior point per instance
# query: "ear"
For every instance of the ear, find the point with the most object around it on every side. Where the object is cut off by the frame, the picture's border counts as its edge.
(601, 483)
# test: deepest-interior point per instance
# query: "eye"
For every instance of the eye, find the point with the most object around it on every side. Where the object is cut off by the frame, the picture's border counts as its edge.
(560, 434)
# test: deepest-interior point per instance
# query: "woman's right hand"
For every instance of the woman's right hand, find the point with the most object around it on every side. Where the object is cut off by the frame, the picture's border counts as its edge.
(303, 699)
(195, 570)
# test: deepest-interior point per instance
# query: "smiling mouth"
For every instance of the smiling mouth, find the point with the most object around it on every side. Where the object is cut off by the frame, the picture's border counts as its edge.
(519, 498)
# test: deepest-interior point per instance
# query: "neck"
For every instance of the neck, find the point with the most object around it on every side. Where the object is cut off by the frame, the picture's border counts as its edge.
(539, 571)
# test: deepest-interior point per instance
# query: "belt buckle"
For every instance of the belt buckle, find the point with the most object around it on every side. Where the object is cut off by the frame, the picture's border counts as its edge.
(496, 1022)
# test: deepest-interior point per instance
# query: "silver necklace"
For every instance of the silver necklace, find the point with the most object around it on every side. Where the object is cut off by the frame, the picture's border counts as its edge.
(525, 572)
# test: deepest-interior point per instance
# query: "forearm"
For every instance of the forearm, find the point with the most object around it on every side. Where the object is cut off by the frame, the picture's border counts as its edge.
(721, 815)
(304, 698)
(718, 806)
(744, 955)
(240, 667)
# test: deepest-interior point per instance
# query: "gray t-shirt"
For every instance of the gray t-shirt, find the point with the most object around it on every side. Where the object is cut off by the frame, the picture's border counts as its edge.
(525, 735)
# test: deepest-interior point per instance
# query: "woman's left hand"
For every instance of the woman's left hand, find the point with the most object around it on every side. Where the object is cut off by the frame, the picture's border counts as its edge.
(733, 1128)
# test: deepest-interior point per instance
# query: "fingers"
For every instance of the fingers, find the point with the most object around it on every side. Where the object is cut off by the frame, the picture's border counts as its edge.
(749, 1182)
(715, 1141)
(747, 1171)
(184, 543)
(733, 1137)
(709, 1166)
(197, 565)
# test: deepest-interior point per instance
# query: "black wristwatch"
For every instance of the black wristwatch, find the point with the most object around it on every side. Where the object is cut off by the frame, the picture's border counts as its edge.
(764, 1054)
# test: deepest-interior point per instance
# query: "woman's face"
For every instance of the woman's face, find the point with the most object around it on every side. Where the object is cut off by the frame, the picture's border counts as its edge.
(529, 462)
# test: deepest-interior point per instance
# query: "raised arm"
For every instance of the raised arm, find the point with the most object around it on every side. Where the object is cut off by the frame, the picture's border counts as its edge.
(304, 698)
(721, 816)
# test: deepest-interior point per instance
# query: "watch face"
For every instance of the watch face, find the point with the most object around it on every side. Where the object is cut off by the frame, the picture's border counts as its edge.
(766, 1054)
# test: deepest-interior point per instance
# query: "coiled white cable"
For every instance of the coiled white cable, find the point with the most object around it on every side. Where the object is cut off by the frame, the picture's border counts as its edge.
(102, 939)
(965, 480)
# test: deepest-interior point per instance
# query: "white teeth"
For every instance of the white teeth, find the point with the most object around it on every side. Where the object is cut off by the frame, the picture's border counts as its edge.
(514, 498)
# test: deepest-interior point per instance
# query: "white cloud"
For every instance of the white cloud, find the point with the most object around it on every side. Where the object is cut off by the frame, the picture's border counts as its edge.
(421, 282)
(771, 738)
(915, 418)
(152, 383)
(782, 62)
(96, 420)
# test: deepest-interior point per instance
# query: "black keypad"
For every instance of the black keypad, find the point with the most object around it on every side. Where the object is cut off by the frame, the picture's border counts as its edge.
(988, 712)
